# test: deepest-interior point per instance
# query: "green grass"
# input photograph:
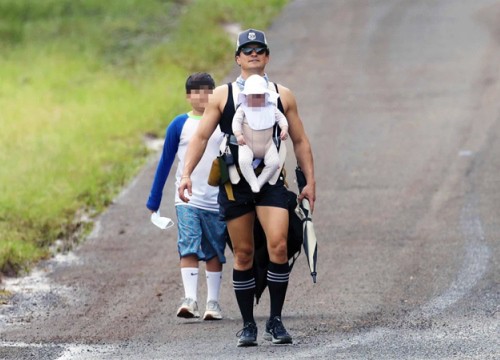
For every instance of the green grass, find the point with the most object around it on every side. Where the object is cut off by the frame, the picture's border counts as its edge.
(82, 82)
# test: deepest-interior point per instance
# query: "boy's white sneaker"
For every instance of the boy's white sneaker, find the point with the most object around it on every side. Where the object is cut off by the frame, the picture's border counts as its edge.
(213, 311)
(188, 309)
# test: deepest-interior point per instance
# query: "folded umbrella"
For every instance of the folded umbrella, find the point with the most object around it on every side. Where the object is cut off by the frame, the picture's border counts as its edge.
(303, 210)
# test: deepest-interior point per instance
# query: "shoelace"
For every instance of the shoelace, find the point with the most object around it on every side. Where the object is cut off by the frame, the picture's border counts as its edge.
(278, 326)
(213, 306)
(246, 327)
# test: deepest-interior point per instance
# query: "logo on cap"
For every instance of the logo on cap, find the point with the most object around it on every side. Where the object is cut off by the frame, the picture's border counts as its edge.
(252, 36)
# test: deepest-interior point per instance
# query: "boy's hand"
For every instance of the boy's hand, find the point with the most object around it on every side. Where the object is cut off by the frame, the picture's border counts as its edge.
(183, 186)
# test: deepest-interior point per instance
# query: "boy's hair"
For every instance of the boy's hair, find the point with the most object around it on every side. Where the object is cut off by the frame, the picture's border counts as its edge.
(199, 81)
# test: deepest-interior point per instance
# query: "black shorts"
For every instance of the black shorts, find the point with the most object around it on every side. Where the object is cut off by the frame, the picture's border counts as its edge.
(245, 200)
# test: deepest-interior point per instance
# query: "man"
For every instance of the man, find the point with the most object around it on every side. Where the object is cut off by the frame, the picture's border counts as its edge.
(239, 205)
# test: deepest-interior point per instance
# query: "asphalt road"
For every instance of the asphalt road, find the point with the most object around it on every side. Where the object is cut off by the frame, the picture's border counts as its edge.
(401, 101)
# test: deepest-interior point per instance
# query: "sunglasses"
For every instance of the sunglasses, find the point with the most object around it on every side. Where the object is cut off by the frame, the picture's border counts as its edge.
(249, 50)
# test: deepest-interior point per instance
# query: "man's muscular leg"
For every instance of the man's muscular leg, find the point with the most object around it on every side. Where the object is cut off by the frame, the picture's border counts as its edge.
(241, 234)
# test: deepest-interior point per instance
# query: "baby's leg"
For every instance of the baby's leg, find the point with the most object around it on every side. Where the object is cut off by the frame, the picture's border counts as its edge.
(245, 158)
(272, 161)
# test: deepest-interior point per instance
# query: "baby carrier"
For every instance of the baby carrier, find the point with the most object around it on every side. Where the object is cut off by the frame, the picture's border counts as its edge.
(229, 146)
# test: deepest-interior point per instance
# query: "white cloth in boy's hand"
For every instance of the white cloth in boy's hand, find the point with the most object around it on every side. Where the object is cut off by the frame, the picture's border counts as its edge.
(161, 222)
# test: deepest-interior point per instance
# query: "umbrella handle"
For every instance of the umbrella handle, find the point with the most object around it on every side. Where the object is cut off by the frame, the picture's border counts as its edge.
(307, 206)
(301, 178)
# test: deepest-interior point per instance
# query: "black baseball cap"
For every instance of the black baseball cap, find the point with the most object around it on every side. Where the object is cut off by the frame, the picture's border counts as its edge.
(250, 36)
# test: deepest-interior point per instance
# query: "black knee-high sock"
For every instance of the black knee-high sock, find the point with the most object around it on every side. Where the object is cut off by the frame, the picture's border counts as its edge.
(277, 282)
(244, 289)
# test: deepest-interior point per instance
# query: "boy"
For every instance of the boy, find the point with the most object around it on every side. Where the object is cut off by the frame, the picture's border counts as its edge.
(253, 125)
(201, 235)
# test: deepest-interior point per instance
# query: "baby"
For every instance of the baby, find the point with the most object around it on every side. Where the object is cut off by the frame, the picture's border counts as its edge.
(253, 125)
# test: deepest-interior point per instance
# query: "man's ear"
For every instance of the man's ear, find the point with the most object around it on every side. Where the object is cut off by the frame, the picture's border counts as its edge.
(237, 60)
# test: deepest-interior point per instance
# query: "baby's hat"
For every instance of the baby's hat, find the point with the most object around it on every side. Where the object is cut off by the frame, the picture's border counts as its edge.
(256, 84)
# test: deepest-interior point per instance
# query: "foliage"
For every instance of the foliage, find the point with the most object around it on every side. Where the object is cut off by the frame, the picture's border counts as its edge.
(83, 81)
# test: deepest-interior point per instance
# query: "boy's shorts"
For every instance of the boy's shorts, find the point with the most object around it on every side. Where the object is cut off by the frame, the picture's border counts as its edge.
(200, 233)
(245, 200)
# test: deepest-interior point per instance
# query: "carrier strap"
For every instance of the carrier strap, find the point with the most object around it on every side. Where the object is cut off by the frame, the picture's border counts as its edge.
(229, 190)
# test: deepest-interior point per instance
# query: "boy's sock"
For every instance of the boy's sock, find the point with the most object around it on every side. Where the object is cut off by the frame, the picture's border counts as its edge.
(277, 282)
(190, 282)
(214, 279)
(244, 289)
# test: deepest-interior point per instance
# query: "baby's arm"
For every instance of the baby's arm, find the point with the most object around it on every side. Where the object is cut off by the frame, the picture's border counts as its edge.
(283, 123)
(237, 126)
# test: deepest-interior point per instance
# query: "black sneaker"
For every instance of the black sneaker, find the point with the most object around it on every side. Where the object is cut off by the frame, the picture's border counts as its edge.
(276, 332)
(247, 335)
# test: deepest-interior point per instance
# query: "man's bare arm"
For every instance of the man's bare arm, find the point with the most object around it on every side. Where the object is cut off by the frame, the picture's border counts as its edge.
(199, 140)
(301, 144)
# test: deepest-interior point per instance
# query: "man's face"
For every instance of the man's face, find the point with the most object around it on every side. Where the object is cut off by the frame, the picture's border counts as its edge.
(199, 98)
(252, 56)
